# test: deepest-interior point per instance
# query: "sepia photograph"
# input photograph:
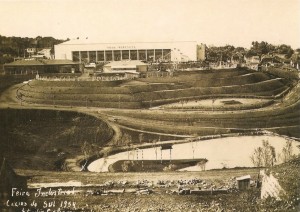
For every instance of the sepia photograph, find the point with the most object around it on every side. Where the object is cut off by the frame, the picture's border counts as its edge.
(149, 106)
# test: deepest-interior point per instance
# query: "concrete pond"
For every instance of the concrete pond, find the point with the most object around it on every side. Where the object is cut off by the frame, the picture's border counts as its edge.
(224, 152)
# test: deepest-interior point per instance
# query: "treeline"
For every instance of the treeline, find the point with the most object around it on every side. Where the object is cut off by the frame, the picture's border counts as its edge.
(226, 53)
(11, 47)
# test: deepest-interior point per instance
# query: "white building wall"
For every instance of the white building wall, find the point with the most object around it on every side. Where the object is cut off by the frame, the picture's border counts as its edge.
(179, 50)
(63, 52)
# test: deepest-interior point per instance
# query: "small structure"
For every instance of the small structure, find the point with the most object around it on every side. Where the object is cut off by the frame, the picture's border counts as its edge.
(252, 62)
(42, 54)
(243, 183)
(46, 53)
(252, 59)
(127, 66)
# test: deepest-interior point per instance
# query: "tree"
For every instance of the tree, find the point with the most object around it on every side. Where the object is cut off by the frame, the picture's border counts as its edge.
(126, 138)
(202, 164)
(256, 158)
(12, 47)
(222, 53)
(141, 137)
(260, 48)
(87, 150)
(264, 156)
(125, 166)
(287, 152)
(285, 49)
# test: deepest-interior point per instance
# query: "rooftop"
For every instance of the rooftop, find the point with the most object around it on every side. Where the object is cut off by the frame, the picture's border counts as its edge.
(25, 63)
(246, 177)
(39, 62)
(93, 41)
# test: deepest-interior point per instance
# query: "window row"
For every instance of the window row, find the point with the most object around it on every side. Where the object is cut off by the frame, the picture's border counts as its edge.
(116, 55)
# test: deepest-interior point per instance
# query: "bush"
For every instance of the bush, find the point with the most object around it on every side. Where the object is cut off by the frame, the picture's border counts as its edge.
(170, 167)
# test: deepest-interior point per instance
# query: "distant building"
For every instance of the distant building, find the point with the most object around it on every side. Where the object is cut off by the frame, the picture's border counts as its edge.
(44, 53)
(269, 60)
(252, 59)
(86, 51)
(31, 50)
(282, 56)
(33, 66)
(39, 53)
(129, 66)
(252, 62)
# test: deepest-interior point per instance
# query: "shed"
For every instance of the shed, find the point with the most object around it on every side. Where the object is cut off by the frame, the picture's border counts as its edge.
(243, 183)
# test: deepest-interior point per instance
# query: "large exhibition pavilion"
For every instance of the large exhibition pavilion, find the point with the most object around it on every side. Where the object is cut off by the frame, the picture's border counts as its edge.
(86, 51)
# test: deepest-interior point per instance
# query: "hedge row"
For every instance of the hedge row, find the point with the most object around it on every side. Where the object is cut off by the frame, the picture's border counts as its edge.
(236, 80)
(79, 84)
(83, 103)
(238, 89)
(81, 97)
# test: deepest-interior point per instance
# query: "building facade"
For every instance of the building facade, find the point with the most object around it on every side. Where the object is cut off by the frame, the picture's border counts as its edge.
(85, 51)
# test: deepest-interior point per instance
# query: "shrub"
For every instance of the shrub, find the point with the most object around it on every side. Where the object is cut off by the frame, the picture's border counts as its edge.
(170, 167)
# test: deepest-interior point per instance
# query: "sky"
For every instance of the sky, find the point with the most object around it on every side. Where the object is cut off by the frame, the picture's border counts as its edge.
(213, 22)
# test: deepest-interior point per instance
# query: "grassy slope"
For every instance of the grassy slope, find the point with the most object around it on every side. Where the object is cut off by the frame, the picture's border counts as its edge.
(145, 92)
(42, 139)
(159, 200)
(32, 131)
(282, 118)
(153, 91)
(9, 80)
(288, 175)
